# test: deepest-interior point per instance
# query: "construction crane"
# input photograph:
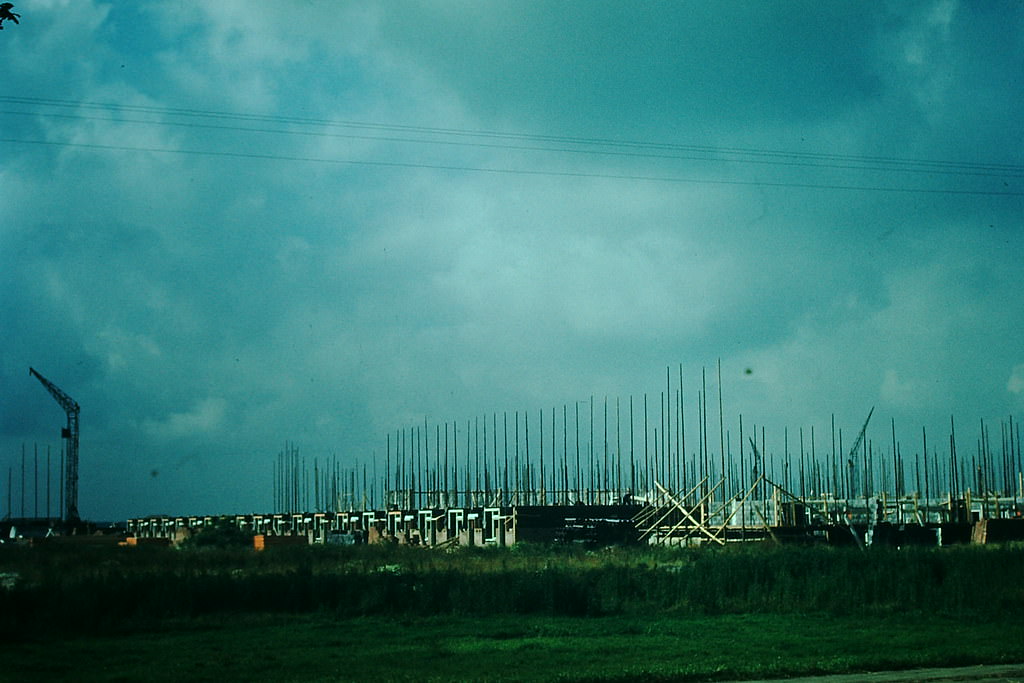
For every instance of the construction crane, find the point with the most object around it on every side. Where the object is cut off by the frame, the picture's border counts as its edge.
(70, 435)
(851, 459)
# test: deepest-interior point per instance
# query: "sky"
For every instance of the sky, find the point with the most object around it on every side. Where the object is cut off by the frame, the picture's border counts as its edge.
(230, 226)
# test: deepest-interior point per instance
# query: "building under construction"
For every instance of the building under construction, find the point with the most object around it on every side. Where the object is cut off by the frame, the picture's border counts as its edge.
(631, 471)
(621, 472)
(765, 512)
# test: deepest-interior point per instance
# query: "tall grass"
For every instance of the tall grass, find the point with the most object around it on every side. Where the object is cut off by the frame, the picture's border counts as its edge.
(110, 589)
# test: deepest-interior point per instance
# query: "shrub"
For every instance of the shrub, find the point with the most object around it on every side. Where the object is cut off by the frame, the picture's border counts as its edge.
(222, 534)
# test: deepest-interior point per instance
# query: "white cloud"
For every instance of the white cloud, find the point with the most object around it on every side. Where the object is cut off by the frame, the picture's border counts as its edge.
(1015, 384)
(205, 417)
(125, 349)
(899, 391)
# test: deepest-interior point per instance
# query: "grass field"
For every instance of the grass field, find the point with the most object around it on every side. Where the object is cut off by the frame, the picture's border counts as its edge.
(511, 648)
(315, 614)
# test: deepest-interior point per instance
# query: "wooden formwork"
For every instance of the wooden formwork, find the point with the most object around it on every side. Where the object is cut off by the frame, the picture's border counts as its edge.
(699, 516)
(997, 531)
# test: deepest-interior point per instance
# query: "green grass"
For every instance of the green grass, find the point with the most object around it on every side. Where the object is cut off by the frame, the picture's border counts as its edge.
(106, 589)
(506, 648)
(526, 613)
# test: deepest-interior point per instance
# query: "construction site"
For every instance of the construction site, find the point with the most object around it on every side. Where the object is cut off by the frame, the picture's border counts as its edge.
(620, 478)
(614, 478)
(663, 518)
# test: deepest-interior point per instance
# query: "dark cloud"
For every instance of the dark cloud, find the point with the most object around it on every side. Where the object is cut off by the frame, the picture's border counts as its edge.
(209, 285)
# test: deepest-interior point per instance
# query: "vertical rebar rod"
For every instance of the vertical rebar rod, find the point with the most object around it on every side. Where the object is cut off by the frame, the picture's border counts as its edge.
(579, 480)
(682, 433)
(704, 426)
(927, 483)
(817, 469)
(487, 479)
(618, 449)
(803, 477)
(504, 486)
(721, 429)
(951, 466)
(516, 451)
(455, 476)
(895, 464)
(647, 463)
(554, 466)
(438, 472)
(543, 481)
(595, 466)
(494, 449)
(529, 470)
(632, 454)
(565, 451)
(666, 430)
(835, 492)
(603, 486)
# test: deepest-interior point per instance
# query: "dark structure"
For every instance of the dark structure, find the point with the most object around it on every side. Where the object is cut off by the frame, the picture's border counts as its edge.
(70, 435)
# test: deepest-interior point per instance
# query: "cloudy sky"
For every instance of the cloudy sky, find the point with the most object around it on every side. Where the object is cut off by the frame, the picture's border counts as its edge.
(229, 225)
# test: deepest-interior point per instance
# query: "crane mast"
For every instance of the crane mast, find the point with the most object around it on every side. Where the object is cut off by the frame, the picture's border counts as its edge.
(851, 459)
(70, 435)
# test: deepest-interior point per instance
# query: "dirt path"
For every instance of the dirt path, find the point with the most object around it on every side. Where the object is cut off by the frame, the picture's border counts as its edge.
(995, 673)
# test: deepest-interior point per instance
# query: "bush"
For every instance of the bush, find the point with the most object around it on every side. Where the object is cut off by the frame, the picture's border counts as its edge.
(222, 534)
(111, 589)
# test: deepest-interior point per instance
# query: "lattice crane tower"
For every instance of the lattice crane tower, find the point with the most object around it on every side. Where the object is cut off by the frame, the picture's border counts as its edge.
(69, 434)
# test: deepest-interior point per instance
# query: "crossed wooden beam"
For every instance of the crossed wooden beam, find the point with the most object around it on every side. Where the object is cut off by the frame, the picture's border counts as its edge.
(675, 504)
(668, 503)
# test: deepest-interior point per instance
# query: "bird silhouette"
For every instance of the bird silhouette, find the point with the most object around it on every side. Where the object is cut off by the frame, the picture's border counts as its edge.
(7, 15)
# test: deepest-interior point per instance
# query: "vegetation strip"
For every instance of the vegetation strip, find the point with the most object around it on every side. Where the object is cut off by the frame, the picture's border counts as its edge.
(312, 648)
(524, 613)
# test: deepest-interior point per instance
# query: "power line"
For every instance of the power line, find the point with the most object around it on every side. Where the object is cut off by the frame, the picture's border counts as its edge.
(512, 171)
(889, 163)
(720, 158)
